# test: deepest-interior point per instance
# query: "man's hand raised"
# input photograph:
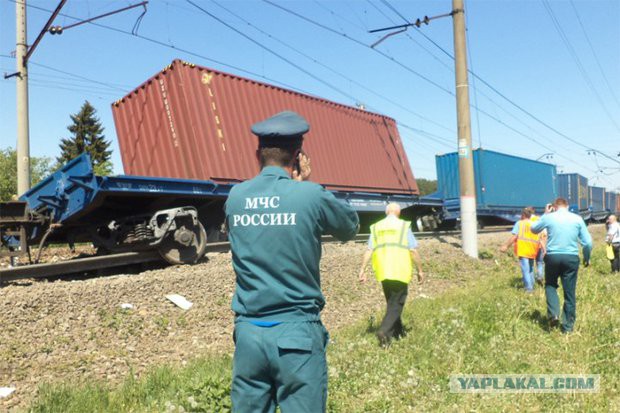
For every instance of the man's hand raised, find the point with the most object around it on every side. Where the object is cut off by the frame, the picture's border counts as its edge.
(303, 173)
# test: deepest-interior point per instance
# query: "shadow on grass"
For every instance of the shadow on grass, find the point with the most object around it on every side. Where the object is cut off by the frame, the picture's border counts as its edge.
(444, 241)
(371, 327)
(541, 320)
(516, 282)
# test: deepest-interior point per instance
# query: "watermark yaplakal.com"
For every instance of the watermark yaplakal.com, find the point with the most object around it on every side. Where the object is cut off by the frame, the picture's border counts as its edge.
(525, 383)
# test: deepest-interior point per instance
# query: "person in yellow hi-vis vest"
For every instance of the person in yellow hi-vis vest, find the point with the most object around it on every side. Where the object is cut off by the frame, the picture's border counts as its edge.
(392, 247)
(526, 247)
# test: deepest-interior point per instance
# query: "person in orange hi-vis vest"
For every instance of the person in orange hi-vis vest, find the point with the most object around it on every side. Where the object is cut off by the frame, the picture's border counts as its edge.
(540, 257)
(526, 247)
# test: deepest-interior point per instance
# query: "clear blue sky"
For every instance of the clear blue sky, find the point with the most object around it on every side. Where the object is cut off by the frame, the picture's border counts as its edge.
(568, 79)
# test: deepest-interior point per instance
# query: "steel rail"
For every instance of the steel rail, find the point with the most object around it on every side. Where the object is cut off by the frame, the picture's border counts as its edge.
(79, 265)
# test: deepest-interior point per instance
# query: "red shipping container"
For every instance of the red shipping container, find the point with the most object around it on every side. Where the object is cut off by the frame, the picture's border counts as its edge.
(193, 122)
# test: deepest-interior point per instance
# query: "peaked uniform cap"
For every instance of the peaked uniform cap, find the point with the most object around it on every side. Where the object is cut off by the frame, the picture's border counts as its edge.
(282, 129)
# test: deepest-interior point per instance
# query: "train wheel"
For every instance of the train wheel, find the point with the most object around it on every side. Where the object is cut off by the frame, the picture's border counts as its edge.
(185, 246)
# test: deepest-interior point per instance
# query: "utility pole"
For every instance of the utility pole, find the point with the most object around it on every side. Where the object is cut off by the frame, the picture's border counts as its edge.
(22, 55)
(23, 133)
(469, 222)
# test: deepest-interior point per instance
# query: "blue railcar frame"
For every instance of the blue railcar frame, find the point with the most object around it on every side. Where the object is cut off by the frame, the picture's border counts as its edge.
(74, 191)
(73, 197)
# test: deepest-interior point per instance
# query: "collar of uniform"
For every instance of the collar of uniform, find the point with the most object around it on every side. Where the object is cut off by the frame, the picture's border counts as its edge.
(274, 171)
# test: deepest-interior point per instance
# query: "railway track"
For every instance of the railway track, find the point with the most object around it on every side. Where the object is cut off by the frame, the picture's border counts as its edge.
(84, 265)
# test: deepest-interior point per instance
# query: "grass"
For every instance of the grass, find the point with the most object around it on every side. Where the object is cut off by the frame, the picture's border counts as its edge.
(486, 326)
(200, 386)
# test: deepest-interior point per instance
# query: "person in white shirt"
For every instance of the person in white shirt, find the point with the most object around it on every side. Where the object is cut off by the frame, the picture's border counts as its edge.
(613, 238)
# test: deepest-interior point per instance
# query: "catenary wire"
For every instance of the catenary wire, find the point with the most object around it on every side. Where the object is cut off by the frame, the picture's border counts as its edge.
(273, 52)
(405, 67)
(166, 45)
(578, 63)
(441, 62)
(445, 90)
(287, 60)
(173, 47)
(474, 75)
(598, 62)
(391, 7)
(184, 51)
(109, 85)
(513, 103)
(349, 79)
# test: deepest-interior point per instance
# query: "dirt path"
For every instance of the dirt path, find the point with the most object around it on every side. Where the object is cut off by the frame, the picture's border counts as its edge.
(77, 330)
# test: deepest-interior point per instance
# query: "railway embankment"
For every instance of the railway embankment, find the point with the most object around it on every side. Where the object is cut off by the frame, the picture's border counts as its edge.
(67, 333)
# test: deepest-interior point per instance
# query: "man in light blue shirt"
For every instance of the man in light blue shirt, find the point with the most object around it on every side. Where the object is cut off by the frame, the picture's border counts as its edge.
(565, 232)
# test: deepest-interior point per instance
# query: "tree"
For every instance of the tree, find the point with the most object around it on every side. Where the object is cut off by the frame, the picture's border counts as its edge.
(87, 136)
(426, 186)
(39, 169)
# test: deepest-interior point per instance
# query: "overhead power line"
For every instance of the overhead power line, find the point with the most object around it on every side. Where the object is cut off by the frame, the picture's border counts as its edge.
(163, 44)
(84, 78)
(349, 79)
(513, 103)
(426, 20)
(315, 23)
(598, 62)
(278, 55)
(471, 71)
(405, 67)
(575, 56)
(173, 47)
(426, 134)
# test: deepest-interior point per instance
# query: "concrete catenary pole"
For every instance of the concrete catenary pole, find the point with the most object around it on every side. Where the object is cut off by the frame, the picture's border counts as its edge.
(469, 224)
(23, 133)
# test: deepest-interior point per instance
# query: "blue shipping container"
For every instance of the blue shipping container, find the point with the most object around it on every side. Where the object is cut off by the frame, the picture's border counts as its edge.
(502, 181)
(610, 202)
(597, 198)
(574, 188)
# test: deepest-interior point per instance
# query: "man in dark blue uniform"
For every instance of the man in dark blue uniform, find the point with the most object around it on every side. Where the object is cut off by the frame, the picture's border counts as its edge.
(275, 223)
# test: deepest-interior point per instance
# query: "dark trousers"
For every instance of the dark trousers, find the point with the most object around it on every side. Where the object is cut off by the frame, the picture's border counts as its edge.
(395, 295)
(282, 365)
(565, 268)
(615, 263)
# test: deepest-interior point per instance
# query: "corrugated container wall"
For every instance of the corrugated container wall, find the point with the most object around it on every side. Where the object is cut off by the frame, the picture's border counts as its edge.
(610, 201)
(501, 180)
(597, 198)
(194, 122)
(574, 188)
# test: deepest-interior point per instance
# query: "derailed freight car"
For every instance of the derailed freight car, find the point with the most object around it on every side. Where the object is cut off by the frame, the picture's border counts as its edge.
(192, 122)
(115, 213)
(504, 185)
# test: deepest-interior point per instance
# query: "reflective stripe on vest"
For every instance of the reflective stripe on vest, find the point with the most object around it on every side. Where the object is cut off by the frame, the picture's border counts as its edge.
(528, 243)
(391, 258)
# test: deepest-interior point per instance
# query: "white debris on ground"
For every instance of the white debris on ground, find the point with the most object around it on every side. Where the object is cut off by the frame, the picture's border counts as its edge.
(6, 392)
(179, 301)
